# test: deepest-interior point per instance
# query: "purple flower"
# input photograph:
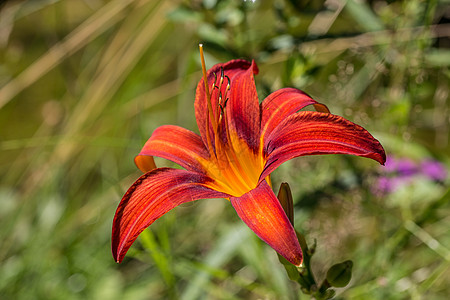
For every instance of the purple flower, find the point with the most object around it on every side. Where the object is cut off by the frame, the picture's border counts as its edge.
(402, 166)
(386, 185)
(383, 186)
(434, 170)
(399, 172)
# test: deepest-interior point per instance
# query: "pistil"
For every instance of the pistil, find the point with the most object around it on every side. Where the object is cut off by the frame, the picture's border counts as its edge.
(210, 111)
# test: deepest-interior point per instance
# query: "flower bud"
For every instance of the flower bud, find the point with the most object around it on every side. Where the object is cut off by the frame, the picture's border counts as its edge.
(285, 197)
(340, 274)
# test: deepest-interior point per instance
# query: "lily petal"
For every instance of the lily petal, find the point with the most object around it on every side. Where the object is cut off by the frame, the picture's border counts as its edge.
(176, 144)
(151, 196)
(262, 212)
(311, 133)
(145, 163)
(243, 104)
(281, 104)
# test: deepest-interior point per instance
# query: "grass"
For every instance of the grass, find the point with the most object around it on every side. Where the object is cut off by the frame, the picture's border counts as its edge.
(84, 83)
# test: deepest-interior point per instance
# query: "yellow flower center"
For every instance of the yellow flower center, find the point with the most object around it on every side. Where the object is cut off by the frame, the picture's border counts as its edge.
(236, 169)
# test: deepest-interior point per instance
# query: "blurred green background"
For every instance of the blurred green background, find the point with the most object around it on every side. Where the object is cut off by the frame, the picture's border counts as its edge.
(84, 83)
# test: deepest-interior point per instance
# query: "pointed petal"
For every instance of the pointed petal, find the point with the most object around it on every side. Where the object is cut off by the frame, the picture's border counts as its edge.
(281, 104)
(262, 212)
(151, 196)
(243, 105)
(312, 133)
(177, 144)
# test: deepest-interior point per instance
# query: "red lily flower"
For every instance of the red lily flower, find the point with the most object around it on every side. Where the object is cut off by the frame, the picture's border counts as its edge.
(240, 143)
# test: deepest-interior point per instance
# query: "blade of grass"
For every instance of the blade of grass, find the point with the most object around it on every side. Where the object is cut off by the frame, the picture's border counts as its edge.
(158, 95)
(108, 80)
(99, 22)
(435, 276)
(428, 240)
(225, 249)
(162, 263)
(363, 15)
(113, 73)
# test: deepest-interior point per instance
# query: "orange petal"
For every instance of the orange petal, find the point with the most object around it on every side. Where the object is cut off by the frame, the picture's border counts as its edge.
(281, 104)
(145, 163)
(243, 105)
(151, 196)
(312, 133)
(262, 212)
(177, 144)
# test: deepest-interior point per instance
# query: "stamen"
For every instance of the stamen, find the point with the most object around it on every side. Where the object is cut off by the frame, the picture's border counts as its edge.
(208, 139)
(222, 105)
(222, 73)
(225, 103)
(208, 95)
(227, 88)
(233, 172)
(215, 79)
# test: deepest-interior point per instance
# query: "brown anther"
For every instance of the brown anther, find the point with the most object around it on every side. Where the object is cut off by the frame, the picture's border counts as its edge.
(222, 75)
(225, 103)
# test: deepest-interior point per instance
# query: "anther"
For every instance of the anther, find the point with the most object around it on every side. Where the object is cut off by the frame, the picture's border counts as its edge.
(228, 86)
(225, 102)
(222, 75)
